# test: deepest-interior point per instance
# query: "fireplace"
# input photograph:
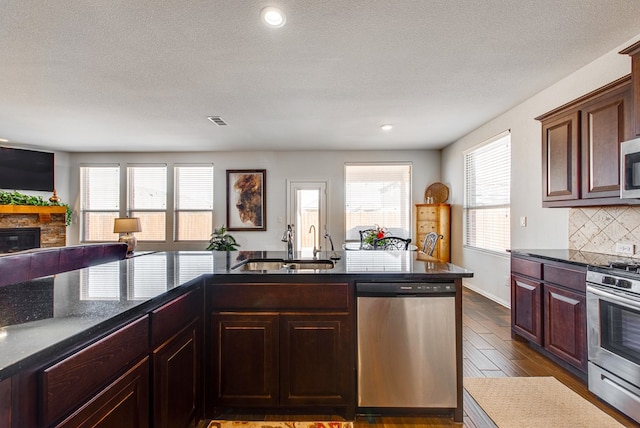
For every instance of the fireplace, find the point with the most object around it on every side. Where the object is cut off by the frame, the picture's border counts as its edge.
(18, 239)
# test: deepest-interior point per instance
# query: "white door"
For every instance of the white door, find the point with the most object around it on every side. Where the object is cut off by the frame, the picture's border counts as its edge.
(307, 211)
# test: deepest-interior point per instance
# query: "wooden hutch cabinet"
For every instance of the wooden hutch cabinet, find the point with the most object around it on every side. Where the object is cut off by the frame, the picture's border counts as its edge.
(435, 218)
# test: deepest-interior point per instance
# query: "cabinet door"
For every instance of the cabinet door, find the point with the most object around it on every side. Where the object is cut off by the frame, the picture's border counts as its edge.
(526, 308)
(177, 379)
(245, 359)
(316, 360)
(124, 403)
(565, 325)
(606, 122)
(5, 403)
(176, 331)
(560, 158)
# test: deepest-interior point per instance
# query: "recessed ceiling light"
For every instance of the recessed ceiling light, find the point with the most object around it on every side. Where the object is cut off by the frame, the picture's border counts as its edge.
(273, 17)
(386, 127)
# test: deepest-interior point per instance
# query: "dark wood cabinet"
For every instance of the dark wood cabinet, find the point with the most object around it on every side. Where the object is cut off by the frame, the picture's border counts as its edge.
(5, 403)
(124, 403)
(548, 307)
(74, 380)
(245, 351)
(526, 308)
(290, 348)
(581, 147)
(560, 154)
(605, 124)
(314, 361)
(176, 334)
(565, 332)
(634, 52)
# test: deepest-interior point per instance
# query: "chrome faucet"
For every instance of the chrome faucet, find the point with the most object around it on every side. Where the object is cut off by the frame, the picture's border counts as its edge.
(315, 249)
(334, 255)
(288, 238)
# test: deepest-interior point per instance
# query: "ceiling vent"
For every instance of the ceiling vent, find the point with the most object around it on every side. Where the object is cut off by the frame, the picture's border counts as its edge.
(217, 120)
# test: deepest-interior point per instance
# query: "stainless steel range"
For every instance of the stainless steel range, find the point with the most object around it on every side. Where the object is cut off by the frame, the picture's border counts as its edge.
(613, 335)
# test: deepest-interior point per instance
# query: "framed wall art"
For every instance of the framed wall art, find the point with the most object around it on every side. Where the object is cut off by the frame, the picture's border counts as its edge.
(246, 199)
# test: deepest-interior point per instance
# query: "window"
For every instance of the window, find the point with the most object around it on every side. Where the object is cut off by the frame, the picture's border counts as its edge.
(193, 206)
(487, 171)
(99, 201)
(147, 199)
(377, 194)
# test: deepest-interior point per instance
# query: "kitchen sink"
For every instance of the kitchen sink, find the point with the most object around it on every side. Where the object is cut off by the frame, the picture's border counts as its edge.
(280, 264)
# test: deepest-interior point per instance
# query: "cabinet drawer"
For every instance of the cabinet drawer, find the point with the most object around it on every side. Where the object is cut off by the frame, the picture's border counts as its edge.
(427, 213)
(281, 297)
(570, 278)
(526, 267)
(73, 380)
(170, 318)
(424, 227)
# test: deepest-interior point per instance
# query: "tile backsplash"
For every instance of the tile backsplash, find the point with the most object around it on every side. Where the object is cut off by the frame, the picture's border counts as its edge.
(598, 229)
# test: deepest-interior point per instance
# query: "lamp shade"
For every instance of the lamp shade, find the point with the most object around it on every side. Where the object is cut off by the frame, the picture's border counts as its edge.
(126, 225)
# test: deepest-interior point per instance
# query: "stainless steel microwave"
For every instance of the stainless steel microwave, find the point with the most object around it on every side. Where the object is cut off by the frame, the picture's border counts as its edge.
(630, 169)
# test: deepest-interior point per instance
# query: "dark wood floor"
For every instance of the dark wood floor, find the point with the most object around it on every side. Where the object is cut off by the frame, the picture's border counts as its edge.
(489, 351)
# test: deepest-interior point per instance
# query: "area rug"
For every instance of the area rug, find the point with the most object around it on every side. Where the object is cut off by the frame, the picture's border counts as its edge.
(270, 424)
(533, 402)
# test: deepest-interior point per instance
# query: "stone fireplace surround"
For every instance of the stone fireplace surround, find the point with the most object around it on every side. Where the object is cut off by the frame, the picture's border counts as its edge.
(50, 220)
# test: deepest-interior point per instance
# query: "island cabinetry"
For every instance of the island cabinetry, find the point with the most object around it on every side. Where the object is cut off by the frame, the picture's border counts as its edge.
(104, 383)
(435, 218)
(176, 338)
(282, 346)
(581, 147)
(5, 403)
(548, 307)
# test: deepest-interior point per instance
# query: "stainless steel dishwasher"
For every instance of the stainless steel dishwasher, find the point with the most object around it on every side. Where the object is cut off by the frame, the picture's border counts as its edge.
(406, 345)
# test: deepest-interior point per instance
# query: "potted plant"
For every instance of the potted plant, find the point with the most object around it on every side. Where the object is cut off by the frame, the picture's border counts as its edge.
(222, 241)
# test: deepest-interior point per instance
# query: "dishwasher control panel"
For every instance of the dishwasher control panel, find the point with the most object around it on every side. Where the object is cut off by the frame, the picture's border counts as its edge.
(400, 288)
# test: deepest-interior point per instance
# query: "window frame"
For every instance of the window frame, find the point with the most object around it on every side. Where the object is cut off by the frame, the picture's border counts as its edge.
(84, 211)
(176, 195)
(479, 207)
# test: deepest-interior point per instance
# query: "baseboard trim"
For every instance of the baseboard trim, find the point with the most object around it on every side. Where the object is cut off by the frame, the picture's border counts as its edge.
(487, 295)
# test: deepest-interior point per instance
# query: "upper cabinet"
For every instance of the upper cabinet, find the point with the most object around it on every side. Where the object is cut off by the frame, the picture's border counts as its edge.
(634, 52)
(581, 147)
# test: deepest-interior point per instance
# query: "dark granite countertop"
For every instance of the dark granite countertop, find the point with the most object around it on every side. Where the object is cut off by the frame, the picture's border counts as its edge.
(41, 316)
(581, 258)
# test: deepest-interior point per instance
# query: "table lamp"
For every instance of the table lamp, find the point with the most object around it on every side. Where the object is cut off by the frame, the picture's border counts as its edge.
(127, 225)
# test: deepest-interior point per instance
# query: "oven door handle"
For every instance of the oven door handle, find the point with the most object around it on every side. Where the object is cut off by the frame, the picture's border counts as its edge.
(628, 302)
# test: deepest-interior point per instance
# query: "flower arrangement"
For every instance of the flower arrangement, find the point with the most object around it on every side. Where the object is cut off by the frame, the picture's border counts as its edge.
(376, 233)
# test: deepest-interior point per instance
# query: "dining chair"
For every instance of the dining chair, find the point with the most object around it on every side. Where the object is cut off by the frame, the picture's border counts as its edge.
(363, 234)
(391, 243)
(429, 244)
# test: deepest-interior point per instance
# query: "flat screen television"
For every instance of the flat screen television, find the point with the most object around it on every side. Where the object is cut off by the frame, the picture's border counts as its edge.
(22, 169)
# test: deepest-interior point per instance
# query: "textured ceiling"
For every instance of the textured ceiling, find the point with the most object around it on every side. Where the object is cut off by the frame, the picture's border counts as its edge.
(140, 75)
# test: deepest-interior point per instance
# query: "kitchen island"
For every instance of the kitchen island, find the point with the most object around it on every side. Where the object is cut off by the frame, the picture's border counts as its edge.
(157, 329)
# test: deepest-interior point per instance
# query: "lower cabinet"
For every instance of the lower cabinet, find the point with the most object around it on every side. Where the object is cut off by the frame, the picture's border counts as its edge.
(124, 403)
(176, 337)
(268, 357)
(274, 360)
(5, 403)
(548, 307)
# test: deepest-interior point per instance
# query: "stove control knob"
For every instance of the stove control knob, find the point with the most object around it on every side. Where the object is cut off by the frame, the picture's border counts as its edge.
(608, 280)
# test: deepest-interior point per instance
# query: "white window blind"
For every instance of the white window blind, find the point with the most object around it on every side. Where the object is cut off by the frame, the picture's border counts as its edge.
(487, 203)
(377, 194)
(99, 201)
(193, 206)
(147, 199)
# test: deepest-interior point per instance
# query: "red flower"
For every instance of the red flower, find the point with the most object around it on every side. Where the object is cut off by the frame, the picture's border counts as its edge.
(380, 235)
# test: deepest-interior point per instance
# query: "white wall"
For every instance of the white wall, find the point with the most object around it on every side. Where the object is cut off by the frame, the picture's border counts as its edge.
(280, 167)
(546, 227)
